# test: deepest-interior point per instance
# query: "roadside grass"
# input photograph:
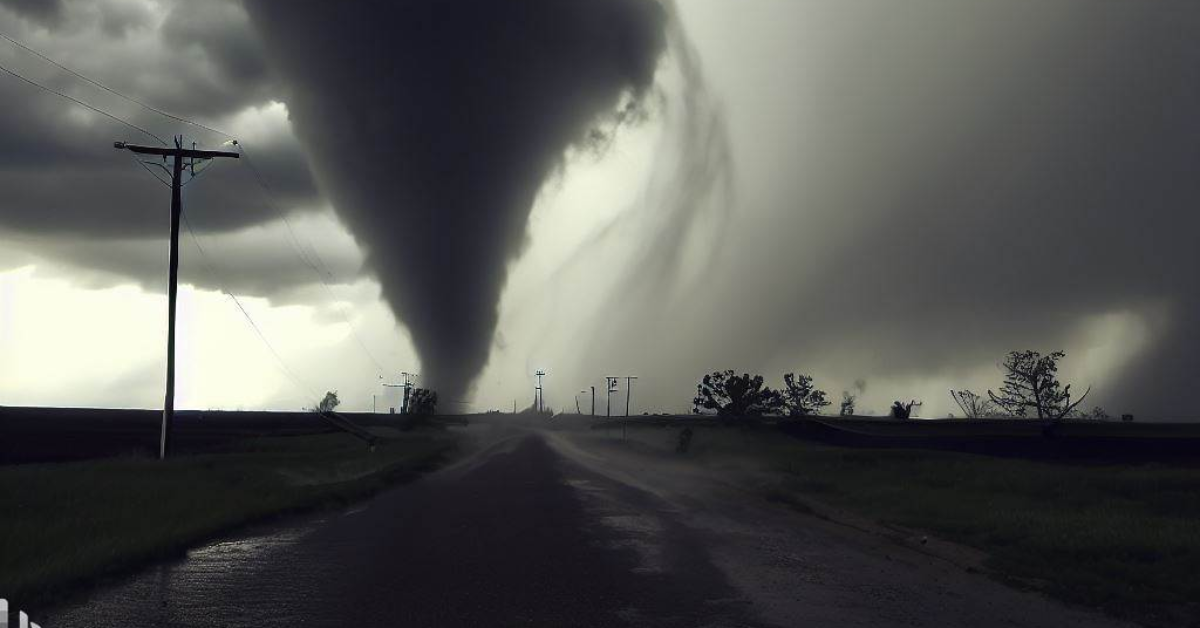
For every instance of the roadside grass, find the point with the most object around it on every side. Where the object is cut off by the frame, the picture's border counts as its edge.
(67, 523)
(1122, 537)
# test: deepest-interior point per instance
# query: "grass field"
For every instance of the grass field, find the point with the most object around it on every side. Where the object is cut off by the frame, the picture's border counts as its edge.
(66, 523)
(1122, 537)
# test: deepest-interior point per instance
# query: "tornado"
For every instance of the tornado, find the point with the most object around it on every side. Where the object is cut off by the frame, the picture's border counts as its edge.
(431, 125)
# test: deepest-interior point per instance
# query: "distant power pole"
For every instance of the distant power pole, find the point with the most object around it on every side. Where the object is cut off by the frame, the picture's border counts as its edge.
(177, 155)
(407, 380)
(410, 380)
(612, 387)
(628, 392)
(593, 401)
(538, 399)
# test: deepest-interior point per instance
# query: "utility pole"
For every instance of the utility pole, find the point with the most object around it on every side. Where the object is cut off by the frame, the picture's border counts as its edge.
(593, 401)
(612, 387)
(406, 383)
(538, 399)
(628, 392)
(410, 380)
(178, 155)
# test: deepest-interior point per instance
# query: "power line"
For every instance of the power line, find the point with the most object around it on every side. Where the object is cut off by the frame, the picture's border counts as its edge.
(296, 245)
(208, 266)
(146, 167)
(257, 175)
(298, 248)
(82, 104)
(110, 90)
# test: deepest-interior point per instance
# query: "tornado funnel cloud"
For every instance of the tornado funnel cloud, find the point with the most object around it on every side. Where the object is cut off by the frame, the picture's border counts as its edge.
(432, 124)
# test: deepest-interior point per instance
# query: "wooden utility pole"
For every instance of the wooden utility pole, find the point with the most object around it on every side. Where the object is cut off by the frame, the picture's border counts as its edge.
(628, 392)
(612, 387)
(410, 380)
(539, 399)
(177, 156)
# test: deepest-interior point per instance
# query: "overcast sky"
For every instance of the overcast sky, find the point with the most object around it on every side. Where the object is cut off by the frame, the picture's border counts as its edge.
(886, 195)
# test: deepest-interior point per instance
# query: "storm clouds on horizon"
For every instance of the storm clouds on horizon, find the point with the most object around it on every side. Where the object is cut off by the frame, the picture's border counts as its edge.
(893, 193)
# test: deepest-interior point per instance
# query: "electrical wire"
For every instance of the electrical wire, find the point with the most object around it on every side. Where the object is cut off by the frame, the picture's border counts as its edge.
(295, 380)
(265, 188)
(298, 248)
(196, 175)
(81, 103)
(154, 174)
(112, 91)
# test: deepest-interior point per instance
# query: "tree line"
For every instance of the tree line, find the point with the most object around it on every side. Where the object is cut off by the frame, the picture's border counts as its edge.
(422, 402)
(1031, 389)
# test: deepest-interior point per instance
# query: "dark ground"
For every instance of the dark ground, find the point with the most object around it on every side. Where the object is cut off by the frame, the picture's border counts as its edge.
(552, 527)
(30, 435)
(62, 434)
(501, 540)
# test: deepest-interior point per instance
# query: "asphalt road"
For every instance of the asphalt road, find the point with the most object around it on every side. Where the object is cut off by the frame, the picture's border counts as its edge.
(545, 529)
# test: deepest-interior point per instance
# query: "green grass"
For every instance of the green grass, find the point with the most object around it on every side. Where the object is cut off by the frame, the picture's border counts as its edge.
(64, 524)
(1122, 537)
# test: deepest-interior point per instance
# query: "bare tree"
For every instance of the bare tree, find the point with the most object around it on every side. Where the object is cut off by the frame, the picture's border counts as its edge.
(1031, 384)
(800, 397)
(732, 395)
(974, 406)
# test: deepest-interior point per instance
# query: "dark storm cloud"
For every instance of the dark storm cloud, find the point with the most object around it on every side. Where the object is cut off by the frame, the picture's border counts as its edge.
(44, 12)
(226, 65)
(237, 262)
(432, 125)
(952, 181)
(1056, 179)
(63, 181)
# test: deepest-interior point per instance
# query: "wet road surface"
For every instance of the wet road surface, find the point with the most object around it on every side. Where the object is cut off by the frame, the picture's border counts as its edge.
(549, 529)
(504, 540)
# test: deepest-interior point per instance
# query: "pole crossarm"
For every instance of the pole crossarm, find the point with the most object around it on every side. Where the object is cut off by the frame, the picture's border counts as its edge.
(187, 153)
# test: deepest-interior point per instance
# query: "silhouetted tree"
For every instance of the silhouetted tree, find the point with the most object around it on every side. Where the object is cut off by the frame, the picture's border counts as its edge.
(732, 395)
(1031, 385)
(848, 401)
(423, 402)
(974, 406)
(800, 397)
(1096, 413)
(903, 410)
(329, 403)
